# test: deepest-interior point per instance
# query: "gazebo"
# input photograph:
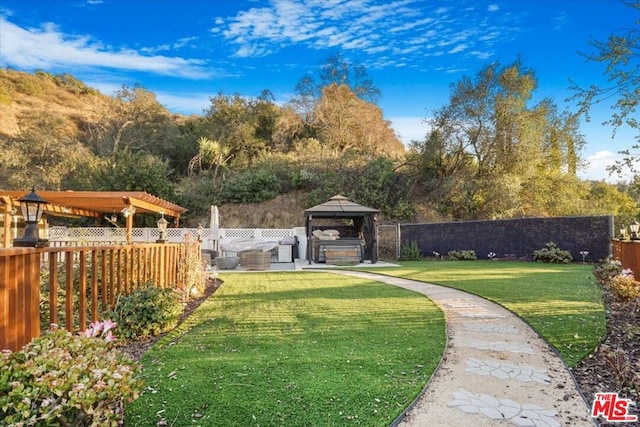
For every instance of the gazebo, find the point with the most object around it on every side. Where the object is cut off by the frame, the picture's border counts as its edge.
(357, 232)
(93, 204)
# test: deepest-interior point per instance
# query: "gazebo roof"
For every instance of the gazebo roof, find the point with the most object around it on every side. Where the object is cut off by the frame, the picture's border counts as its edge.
(339, 207)
(96, 203)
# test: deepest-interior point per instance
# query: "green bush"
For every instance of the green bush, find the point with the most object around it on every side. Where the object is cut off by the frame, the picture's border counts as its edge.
(61, 379)
(462, 255)
(146, 312)
(72, 84)
(252, 186)
(301, 179)
(552, 254)
(410, 252)
(606, 270)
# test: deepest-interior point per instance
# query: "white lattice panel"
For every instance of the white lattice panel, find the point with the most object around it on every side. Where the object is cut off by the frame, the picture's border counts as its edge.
(108, 235)
(119, 233)
(231, 233)
(176, 234)
(273, 233)
(57, 233)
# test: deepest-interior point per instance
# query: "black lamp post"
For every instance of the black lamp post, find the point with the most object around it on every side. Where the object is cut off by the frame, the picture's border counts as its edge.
(162, 228)
(634, 227)
(32, 206)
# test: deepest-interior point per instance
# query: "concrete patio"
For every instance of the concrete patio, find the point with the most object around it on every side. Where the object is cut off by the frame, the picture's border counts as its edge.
(301, 264)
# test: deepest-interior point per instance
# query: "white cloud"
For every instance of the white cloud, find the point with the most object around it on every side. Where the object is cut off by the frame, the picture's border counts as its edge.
(47, 48)
(359, 26)
(459, 48)
(184, 104)
(596, 167)
(493, 8)
(409, 128)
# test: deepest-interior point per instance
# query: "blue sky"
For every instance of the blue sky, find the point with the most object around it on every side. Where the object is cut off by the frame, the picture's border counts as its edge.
(189, 50)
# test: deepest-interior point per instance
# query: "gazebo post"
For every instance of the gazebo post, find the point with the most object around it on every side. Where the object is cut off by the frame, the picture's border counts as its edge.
(374, 240)
(309, 238)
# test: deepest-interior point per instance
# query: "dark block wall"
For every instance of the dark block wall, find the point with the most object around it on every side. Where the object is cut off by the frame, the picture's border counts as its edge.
(515, 238)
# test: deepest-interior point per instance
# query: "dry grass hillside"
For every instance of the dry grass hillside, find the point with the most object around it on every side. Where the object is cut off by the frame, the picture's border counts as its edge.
(25, 94)
(284, 211)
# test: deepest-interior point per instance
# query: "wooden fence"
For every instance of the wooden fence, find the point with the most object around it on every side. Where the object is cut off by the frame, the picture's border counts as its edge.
(628, 252)
(72, 286)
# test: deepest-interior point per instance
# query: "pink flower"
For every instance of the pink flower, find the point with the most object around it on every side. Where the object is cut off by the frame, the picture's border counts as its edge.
(108, 325)
(109, 337)
(100, 329)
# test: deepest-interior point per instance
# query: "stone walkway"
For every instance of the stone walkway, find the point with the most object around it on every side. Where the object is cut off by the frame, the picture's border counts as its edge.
(496, 370)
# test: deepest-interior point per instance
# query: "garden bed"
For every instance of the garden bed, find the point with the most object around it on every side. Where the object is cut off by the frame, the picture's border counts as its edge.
(137, 348)
(595, 373)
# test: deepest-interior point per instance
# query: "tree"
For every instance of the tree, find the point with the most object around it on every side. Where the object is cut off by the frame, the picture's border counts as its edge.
(621, 54)
(131, 171)
(42, 154)
(135, 121)
(211, 154)
(245, 125)
(337, 71)
(487, 146)
(346, 122)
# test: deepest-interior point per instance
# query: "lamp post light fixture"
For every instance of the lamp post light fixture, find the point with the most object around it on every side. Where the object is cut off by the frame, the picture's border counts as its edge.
(32, 206)
(162, 228)
(634, 227)
(623, 232)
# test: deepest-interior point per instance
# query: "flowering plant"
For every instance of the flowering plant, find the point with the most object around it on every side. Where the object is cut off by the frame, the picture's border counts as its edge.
(67, 379)
(101, 330)
(625, 286)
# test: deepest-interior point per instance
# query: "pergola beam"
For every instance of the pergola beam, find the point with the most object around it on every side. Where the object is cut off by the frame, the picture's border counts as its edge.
(94, 204)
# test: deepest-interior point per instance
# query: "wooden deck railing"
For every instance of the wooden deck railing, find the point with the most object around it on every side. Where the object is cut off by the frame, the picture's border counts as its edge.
(72, 286)
(628, 252)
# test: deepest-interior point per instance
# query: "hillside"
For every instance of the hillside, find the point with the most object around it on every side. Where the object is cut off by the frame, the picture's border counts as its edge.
(23, 94)
(255, 159)
(82, 110)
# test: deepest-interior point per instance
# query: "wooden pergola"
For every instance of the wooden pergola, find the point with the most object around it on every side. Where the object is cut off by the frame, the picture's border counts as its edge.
(92, 204)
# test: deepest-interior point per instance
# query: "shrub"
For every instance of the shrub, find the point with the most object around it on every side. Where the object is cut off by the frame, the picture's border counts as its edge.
(146, 312)
(607, 270)
(552, 254)
(625, 286)
(622, 369)
(252, 186)
(462, 255)
(410, 252)
(61, 379)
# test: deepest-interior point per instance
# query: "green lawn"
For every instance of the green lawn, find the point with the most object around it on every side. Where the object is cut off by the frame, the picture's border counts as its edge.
(561, 302)
(311, 348)
(306, 349)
